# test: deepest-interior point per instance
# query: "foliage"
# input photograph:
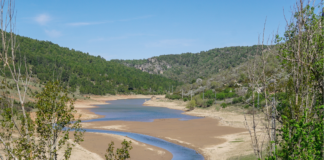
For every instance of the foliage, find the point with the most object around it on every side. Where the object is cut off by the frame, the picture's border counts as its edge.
(93, 74)
(237, 100)
(301, 101)
(223, 105)
(50, 130)
(199, 101)
(173, 96)
(54, 121)
(187, 67)
(210, 102)
(119, 154)
(305, 141)
(191, 105)
(209, 94)
(20, 136)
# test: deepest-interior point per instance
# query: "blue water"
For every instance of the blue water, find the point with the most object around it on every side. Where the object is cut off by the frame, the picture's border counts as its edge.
(178, 152)
(133, 110)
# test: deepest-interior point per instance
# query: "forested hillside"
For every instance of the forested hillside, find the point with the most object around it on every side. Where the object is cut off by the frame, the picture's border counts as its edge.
(91, 74)
(232, 84)
(186, 67)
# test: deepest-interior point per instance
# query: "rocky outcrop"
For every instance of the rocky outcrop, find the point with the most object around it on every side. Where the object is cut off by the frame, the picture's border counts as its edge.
(153, 66)
(199, 81)
(193, 92)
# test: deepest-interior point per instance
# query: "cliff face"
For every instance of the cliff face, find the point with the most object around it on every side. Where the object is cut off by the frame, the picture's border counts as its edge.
(152, 66)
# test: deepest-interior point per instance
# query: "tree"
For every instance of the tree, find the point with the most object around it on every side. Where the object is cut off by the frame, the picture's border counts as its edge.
(191, 104)
(20, 136)
(301, 115)
(54, 121)
(119, 154)
(13, 121)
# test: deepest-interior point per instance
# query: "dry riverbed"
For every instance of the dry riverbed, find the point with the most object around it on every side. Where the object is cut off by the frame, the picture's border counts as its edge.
(95, 144)
(220, 135)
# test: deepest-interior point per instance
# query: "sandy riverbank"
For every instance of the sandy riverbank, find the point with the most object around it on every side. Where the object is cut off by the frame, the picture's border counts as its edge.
(83, 106)
(219, 136)
(198, 134)
(235, 144)
(95, 144)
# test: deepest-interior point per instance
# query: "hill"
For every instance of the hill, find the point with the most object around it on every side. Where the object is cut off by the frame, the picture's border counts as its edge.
(90, 74)
(232, 86)
(187, 67)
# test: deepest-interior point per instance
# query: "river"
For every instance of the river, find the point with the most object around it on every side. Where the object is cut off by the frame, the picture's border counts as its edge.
(133, 110)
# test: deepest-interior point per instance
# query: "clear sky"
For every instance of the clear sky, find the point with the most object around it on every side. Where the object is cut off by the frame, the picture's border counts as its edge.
(136, 29)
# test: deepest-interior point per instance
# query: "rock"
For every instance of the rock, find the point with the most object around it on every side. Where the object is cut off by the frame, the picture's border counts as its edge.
(272, 81)
(199, 81)
(193, 92)
(152, 66)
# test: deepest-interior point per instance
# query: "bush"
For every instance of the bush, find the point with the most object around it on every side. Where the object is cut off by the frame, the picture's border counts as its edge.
(230, 95)
(209, 94)
(185, 99)
(224, 105)
(199, 102)
(173, 96)
(210, 102)
(237, 100)
(227, 90)
(220, 96)
(191, 105)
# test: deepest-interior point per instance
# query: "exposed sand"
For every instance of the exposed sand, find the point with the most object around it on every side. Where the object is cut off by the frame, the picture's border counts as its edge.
(199, 134)
(79, 152)
(97, 143)
(219, 136)
(227, 118)
(235, 144)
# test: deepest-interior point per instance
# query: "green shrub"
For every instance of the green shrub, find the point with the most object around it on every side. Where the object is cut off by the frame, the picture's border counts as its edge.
(230, 95)
(191, 105)
(199, 102)
(185, 99)
(227, 90)
(209, 102)
(237, 100)
(224, 105)
(246, 106)
(220, 96)
(173, 96)
(209, 94)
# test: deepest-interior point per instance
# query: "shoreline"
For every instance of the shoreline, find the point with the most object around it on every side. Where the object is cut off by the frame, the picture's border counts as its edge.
(83, 106)
(95, 144)
(209, 151)
(231, 116)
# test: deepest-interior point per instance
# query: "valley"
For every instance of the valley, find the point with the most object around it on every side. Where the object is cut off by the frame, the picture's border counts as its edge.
(171, 80)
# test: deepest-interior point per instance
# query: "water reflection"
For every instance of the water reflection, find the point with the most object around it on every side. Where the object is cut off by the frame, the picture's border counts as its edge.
(133, 110)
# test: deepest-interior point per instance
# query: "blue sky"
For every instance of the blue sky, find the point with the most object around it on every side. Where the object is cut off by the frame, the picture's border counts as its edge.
(141, 29)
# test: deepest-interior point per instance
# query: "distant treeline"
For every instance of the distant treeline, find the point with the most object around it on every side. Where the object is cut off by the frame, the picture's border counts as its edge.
(93, 74)
(190, 66)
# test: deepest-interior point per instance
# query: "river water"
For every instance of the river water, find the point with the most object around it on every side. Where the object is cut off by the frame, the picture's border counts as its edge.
(132, 110)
